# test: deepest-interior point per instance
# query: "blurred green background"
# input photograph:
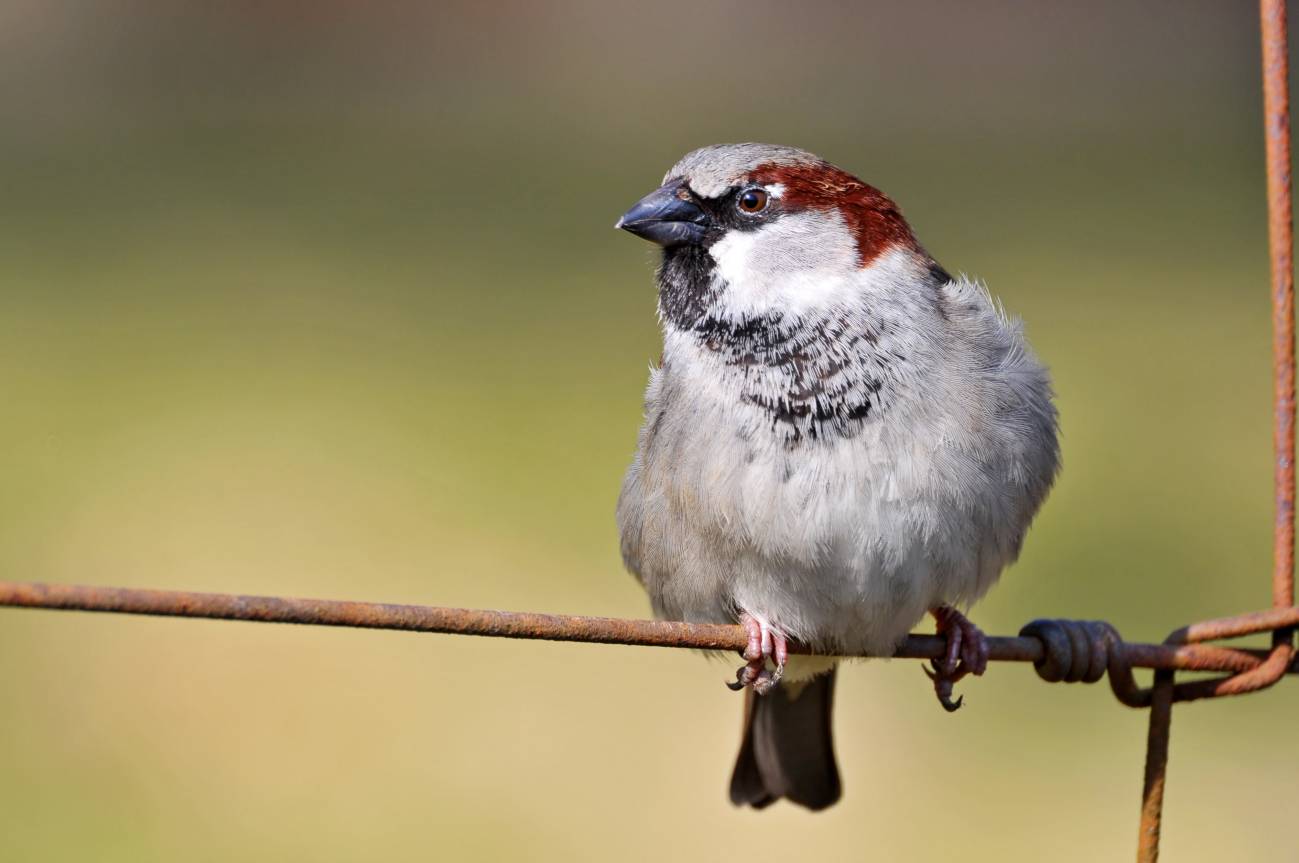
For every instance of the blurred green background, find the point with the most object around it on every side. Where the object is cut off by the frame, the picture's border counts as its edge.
(323, 299)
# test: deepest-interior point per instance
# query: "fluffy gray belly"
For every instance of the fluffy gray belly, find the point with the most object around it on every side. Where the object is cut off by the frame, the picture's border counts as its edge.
(842, 544)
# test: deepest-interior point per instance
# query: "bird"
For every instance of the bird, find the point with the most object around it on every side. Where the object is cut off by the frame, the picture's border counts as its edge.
(839, 438)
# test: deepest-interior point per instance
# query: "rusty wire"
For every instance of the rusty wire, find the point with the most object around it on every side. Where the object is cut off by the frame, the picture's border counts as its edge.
(1061, 650)
(1281, 620)
(1280, 226)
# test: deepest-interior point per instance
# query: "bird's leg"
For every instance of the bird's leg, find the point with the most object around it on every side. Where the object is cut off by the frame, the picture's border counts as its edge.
(765, 643)
(966, 653)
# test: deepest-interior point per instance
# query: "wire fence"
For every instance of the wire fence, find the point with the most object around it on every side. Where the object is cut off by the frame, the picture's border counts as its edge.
(1068, 651)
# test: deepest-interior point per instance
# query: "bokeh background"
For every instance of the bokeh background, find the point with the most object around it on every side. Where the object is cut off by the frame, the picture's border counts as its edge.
(323, 299)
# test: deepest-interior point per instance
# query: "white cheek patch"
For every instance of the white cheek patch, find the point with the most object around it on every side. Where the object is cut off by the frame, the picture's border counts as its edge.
(798, 263)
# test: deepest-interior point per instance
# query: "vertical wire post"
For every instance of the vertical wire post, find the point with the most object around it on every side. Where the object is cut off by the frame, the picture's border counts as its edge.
(1276, 124)
(1152, 791)
(1280, 232)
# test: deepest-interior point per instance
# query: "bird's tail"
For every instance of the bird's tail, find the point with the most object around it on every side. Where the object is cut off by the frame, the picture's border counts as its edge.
(788, 750)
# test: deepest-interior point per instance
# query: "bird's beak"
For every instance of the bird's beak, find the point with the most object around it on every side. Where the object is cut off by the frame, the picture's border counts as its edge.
(667, 216)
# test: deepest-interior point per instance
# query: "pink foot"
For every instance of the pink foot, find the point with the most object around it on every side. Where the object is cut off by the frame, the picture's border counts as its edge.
(967, 653)
(765, 643)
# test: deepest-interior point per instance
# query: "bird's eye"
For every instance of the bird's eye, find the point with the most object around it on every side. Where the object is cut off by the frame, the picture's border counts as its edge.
(752, 201)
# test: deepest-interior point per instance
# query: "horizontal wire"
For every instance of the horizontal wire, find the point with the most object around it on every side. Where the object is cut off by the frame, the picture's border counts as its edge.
(547, 627)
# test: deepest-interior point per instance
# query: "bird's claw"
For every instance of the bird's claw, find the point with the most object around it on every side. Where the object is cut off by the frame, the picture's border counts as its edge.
(966, 653)
(943, 688)
(757, 676)
(765, 643)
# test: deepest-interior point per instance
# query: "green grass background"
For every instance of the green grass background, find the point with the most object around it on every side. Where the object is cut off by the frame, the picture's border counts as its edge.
(324, 300)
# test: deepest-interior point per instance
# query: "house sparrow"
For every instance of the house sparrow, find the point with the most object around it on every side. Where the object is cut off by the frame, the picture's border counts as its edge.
(840, 438)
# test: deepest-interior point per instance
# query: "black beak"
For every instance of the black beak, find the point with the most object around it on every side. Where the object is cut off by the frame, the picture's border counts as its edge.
(667, 216)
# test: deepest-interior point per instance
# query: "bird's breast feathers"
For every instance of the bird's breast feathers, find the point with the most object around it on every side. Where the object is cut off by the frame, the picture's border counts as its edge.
(845, 471)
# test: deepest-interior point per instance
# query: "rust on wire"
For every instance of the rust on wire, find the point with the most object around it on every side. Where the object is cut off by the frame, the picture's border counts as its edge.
(372, 615)
(1061, 650)
(1152, 790)
(1276, 124)
(1283, 617)
(1236, 626)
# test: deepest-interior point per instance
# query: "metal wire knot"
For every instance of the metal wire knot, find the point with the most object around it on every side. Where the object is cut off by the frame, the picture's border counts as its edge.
(1074, 651)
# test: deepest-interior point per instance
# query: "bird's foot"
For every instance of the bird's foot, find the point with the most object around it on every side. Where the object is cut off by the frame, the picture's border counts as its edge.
(966, 653)
(765, 643)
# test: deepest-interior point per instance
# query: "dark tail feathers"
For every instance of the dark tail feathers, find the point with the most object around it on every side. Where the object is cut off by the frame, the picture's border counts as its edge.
(788, 750)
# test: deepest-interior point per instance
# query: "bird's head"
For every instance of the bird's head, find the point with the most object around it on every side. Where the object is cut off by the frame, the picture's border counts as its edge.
(757, 230)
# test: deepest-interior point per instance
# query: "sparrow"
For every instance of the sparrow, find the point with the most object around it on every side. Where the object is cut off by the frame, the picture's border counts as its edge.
(840, 438)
